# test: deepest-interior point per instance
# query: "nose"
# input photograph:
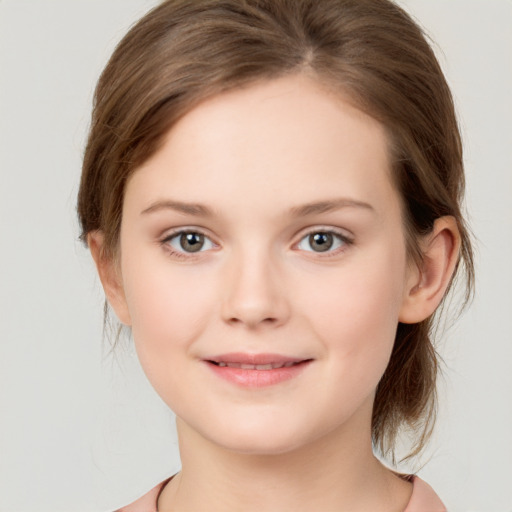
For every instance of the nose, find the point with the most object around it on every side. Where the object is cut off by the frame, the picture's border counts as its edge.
(255, 295)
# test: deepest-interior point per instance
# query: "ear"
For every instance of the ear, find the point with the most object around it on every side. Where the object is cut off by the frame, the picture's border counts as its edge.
(427, 284)
(110, 276)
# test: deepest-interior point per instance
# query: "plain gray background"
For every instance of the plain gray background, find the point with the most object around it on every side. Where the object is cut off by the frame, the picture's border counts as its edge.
(81, 432)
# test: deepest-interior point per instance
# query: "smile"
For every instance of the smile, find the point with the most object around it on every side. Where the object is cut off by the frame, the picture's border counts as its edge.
(244, 366)
(256, 370)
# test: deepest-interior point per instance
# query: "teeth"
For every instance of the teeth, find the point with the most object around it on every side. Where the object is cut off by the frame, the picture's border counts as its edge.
(265, 366)
(244, 366)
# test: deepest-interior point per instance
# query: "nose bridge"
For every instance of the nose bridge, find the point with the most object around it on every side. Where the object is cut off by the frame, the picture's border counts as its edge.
(254, 291)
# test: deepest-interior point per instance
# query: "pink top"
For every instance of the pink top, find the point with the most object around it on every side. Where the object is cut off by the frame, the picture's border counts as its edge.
(423, 499)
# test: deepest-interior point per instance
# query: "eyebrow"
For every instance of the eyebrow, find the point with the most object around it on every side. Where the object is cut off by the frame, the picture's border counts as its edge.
(195, 209)
(201, 210)
(328, 206)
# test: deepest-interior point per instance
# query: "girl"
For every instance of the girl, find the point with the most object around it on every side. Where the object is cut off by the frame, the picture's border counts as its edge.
(271, 194)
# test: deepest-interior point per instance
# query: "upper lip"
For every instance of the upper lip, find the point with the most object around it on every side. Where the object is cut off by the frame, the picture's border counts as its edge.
(255, 359)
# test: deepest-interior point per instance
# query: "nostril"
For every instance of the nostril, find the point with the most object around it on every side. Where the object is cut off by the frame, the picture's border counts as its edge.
(254, 321)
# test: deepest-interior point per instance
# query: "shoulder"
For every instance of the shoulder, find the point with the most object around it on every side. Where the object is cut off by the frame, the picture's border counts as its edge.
(423, 498)
(147, 502)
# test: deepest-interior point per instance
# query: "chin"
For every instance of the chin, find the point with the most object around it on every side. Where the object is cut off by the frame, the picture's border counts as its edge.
(256, 445)
(260, 438)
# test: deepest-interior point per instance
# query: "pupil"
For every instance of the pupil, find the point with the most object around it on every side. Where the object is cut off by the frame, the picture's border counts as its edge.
(321, 242)
(192, 242)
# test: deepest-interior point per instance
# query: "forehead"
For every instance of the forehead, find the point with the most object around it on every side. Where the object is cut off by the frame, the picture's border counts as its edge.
(275, 143)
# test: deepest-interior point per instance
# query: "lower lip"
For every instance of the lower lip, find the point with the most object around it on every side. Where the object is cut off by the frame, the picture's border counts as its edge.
(258, 378)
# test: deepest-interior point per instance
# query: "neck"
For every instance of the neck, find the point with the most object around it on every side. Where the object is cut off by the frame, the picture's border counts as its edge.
(336, 472)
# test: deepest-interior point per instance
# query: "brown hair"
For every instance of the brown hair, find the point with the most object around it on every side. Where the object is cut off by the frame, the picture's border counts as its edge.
(184, 51)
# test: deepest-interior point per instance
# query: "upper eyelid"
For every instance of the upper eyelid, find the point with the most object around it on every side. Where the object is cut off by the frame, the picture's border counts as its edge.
(343, 233)
(345, 239)
(171, 233)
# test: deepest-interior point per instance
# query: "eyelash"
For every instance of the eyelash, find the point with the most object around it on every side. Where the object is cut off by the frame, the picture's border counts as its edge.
(183, 255)
(345, 240)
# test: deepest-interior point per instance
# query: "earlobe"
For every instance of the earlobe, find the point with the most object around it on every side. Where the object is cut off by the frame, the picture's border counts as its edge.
(427, 285)
(110, 276)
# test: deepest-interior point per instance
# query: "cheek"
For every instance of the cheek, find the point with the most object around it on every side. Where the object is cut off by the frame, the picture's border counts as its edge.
(357, 314)
(169, 308)
(169, 312)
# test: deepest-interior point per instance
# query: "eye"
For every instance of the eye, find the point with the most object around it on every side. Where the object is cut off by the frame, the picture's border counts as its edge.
(323, 241)
(189, 242)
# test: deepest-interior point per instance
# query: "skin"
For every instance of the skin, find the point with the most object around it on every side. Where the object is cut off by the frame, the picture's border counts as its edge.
(259, 285)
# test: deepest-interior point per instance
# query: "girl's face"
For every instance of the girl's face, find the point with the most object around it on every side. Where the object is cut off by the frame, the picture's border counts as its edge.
(263, 267)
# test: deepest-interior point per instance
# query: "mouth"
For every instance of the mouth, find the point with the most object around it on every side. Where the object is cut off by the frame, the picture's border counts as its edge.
(257, 370)
(245, 366)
